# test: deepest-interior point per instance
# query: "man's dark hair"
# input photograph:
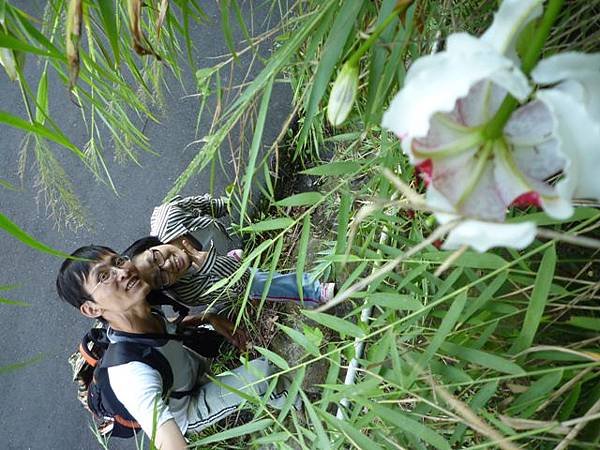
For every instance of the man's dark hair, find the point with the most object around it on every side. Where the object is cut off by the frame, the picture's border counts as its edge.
(141, 245)
(73, 272)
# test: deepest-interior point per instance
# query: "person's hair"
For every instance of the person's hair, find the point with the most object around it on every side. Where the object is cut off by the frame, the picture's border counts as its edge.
(73, 272)
(141, 245)
(146, 243)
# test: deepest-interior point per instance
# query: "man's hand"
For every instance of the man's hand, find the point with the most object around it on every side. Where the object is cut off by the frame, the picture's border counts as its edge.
(225, 327)
(198, 257)
(222, 325)
(170, 437)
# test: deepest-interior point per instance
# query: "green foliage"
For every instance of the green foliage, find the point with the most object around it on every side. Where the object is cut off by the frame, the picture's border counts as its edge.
(459, 348)
(504, 333)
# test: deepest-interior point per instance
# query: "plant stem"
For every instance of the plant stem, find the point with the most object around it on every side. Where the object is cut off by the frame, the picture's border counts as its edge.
(402, 5)
(494, 128)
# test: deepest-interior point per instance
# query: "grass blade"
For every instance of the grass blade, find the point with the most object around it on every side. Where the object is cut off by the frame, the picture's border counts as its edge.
(539, 297)
(482, 358)
(447, 325)
(109, 25)
(343, 327)
(302, 199)
(334, 169)
(343, 25)
(411, 426)
(302, 251)
(255, 147)
(269, 225)
(242, 430)
(39, 130)
(16, 232)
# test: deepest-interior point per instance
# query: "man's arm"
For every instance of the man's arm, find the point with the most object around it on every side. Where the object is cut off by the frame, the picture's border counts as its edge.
(222, 325)
(169, 437)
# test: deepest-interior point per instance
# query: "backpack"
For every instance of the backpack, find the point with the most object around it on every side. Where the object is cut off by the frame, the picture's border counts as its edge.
(96, 354)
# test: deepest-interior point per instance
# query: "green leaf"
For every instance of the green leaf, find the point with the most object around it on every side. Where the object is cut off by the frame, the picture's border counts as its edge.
(482, 358)
(588, 323)
(478, 401)
(353, 435)
(334, 169)
(41, 110)
(411, 426)
(445, 328)
(300, 339)
(242, 430)
(305, 198)
(255, 147)
(8, 301)
(22, 364)
(343, 25)
(269, 225)
(226, 26)
(343, 327)
(468, 259)
(485, 296)
(109, 25)
(322, 442)
(342, 226)
(39, 130)
(570, 402)
(539, 297)
(5, 184)
(16, 232)
(394, 301)
(526, 404)
(2, 12)
(302, 252)
(273, 357)
(542, 219)
(8, 41)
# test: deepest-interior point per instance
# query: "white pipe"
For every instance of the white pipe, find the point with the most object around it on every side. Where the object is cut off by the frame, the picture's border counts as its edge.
(359, 344)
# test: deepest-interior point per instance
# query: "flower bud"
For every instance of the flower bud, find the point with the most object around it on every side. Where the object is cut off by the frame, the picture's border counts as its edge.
(8, 61)
(342, 94)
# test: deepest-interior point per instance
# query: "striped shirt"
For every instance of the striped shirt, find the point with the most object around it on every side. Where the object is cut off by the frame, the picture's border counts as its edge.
(186, 215)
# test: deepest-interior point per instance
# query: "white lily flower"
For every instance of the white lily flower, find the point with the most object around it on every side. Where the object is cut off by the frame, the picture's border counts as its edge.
(441, 113)
(575, 104)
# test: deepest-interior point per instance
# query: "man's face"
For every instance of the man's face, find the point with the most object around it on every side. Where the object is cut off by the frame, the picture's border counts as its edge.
(162, 265)
(115, 284)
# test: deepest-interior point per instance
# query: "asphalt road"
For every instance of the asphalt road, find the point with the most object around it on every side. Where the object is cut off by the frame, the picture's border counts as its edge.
(39, 407)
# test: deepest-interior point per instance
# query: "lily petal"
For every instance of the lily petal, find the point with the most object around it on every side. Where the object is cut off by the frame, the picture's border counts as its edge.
(435, 82)
(482, 236)
(535, 157)
(477, 234)
(509, 21)
(566, 66)
(579, 133)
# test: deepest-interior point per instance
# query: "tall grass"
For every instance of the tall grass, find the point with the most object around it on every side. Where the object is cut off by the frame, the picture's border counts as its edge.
(461, 349)
(450, 349)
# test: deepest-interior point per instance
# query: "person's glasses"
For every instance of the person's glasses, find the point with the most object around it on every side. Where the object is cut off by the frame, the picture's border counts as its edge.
(106, 274)
(157, 258)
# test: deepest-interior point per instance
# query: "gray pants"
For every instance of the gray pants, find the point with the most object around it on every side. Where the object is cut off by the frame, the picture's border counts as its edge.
(214, 402)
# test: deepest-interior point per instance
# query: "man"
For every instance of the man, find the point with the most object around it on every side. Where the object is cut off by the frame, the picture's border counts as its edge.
(107, 286)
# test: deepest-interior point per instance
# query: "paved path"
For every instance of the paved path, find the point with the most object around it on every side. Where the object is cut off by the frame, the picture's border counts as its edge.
(39, 409)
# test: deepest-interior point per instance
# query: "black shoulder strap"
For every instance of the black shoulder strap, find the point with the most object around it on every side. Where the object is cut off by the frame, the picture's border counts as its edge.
(126, 351)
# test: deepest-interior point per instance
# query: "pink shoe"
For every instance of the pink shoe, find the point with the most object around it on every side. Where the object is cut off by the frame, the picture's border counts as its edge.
(236, 254)
(327, 292)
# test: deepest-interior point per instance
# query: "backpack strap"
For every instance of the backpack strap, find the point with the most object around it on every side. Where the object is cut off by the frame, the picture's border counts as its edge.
(128, 351)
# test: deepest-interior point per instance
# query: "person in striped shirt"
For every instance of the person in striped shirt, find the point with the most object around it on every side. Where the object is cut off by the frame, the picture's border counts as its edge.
(181, 257)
